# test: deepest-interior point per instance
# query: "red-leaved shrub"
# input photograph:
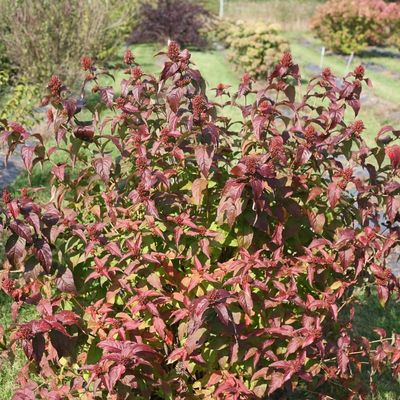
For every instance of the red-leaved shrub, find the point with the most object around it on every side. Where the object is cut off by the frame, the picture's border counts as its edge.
(180, 20)
(183, 255)
(351, 25)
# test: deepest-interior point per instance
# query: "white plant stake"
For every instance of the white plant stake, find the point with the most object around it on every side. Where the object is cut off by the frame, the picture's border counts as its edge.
(350, 60)
(221, 8)
(321, 63)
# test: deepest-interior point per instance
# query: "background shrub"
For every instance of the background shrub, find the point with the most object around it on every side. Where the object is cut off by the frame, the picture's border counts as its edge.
(19, 97)
(392, 16)
(254, 48)
(221, 29)
(180, 20)
(182, 256)
(45, 36)
(351, 26)
(17, 94)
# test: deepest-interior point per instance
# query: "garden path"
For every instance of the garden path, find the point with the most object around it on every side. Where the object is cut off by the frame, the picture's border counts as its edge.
(9, 172)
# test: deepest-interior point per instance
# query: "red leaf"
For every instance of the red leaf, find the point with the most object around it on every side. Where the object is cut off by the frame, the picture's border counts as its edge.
(392, 207)
(204, 157)
(355, 105)
(174, 98)
(130, 108)
(65, 282)
(59, 171)
(258, 125)
(380, 331)
(294, 345)
(198, 186)
(38, 346)
(114, 376)
(302, 155)
(22, 230)
(222, 313)
(40, 326)
(85, 133)
(24, 394)
(385, 129)
(290, 92)
(15, 248)
(393, 152)
(70, 107)
(314, 193)
(195, 340)
(107, 95)
(169, 70)
(334, 192)
(67, 317)
(43, 254)
(159, 326)
(27, 155)
(51, 216)
(234, 352)
(111, 346)
(317, 222)
(125, 87)
(17, 128)
(114, 249)
(34, 221)
(177, 354)
(277, 381)
(103, 167)
(343, 361)
(214, 379)
(344, 236)
(383, 295)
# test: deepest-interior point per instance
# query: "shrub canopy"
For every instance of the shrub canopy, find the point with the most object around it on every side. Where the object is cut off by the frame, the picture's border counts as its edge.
(255, 48)
(43, 37)
(350, 26)
(184, 255)
(180, 20)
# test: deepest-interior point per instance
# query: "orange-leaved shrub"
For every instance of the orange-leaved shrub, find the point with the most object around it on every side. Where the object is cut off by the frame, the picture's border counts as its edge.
(185, 255)
(254, 48)
(350, 26)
